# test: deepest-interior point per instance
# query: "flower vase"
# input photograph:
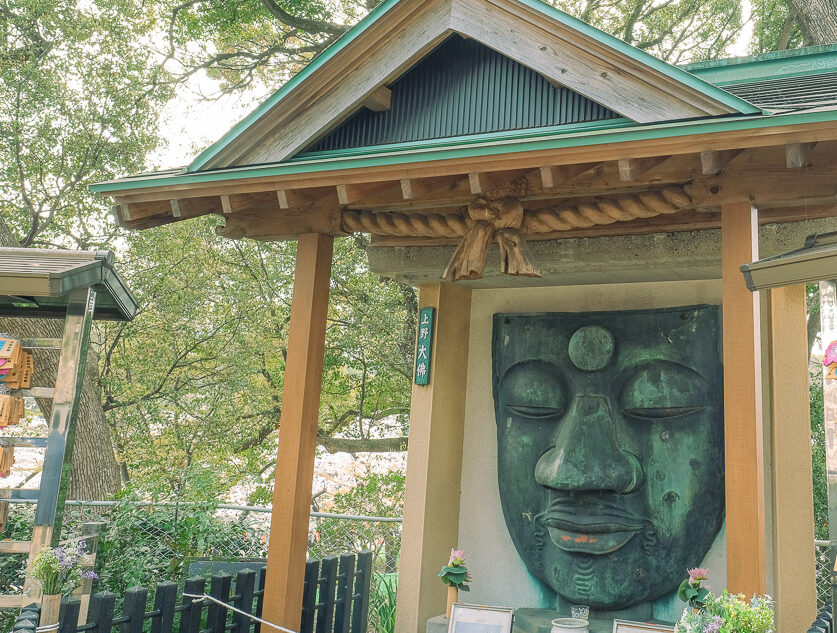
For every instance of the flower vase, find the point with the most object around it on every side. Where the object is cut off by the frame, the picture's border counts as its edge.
(50, 605)
(453, 594)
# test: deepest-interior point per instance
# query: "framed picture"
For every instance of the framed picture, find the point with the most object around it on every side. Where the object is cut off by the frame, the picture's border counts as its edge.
(474, 618)
(626, 626)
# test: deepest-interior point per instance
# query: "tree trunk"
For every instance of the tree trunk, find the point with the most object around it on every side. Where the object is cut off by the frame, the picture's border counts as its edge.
(95, 473)
(817, 20)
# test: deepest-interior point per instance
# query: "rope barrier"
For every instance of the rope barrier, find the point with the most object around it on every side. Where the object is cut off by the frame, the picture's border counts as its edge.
(201, 598)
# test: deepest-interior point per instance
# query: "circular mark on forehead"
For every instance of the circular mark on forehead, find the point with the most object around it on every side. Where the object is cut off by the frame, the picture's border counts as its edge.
(591, 348)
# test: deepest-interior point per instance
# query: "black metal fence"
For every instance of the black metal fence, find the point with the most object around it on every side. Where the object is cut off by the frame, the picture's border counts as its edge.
(824, 623)
(335, 600)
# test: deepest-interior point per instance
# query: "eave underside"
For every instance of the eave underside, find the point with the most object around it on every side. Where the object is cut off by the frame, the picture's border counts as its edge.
(789, 174)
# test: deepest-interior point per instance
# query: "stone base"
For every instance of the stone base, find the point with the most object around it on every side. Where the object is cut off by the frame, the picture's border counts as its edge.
(529, 621)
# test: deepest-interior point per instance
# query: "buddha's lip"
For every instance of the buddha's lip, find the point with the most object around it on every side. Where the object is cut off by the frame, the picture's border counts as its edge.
(591, 518)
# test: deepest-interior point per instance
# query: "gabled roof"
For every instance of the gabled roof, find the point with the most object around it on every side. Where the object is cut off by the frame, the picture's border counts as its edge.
(399, 33)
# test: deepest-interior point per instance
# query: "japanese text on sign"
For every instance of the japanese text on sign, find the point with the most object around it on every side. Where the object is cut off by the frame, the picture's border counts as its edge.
(424, 345)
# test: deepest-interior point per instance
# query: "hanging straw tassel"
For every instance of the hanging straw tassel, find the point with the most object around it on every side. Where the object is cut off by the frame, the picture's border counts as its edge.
(495, 219)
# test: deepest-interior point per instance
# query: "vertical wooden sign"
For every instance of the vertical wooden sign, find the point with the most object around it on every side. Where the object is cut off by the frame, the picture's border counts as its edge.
(424, 345)
(828, 329)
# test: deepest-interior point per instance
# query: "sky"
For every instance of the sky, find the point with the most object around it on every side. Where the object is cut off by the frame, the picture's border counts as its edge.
(191, 122)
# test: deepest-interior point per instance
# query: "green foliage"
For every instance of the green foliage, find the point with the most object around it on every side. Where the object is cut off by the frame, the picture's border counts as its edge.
(692, 593)
(382, 601)
(677, 31)
(144, 545)
(374, 495)
(455, 576)
(774, 27)
(79, 97)
(196, 380)
(729, 613)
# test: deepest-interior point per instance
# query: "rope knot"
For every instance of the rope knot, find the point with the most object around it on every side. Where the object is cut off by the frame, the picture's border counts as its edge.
(499, 220)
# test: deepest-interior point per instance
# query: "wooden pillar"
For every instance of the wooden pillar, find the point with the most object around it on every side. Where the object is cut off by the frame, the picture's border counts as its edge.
(298, 432)
(794, 571)
(434, 462)
(744, 442)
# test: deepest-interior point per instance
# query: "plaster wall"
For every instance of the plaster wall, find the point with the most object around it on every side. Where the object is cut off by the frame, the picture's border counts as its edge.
(500, 577)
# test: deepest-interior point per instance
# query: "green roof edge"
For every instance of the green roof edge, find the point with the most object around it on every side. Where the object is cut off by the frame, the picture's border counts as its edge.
(791, 63)
(398, 154)
(675, 73)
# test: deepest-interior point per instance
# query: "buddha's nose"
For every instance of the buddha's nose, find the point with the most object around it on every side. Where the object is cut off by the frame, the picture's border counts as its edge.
(586, 455)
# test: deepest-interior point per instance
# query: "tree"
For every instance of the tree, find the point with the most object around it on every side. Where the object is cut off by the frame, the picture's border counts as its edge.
(78, 101)
(197, 377)
(785, 24)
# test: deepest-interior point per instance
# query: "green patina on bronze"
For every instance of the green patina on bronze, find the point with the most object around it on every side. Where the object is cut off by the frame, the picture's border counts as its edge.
(610, 447)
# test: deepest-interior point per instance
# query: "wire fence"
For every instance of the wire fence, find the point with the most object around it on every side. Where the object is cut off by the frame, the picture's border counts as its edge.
(144, 543)
(822, 556)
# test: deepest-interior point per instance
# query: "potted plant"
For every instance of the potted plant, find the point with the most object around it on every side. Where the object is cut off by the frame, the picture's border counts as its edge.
(455, 575)
(57, 571)
(727, 613)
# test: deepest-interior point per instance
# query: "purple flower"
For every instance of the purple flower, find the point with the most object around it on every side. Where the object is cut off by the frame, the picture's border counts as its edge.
(90, 574)
(714, 626)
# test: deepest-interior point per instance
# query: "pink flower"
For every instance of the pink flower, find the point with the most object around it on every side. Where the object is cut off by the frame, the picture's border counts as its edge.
(698, 573)
(830, 354)
(457, 557)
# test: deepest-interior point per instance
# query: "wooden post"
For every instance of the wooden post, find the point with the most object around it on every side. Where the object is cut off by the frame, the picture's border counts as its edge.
(744, 440)
(434, 461)
(298, 432)
(794, 568)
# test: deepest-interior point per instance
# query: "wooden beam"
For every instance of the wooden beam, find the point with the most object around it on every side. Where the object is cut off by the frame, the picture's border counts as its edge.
(407, 189)
(284, 225)
(475, 182)
(634, 168)
(434, 459)
(766, 184)
(298, 432)
(743, 433)
(282, 198)
(343, 194)
(555, 175)
(797, 154)
(175, 208)
(794, 568)
(380, 100)
(225, 204)
(712, 162)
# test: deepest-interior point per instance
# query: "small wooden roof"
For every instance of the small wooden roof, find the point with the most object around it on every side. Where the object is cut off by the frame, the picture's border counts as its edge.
(36, 282)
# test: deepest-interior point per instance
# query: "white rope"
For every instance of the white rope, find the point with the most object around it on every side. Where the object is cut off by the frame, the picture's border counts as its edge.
(46, 628)
(198, 598)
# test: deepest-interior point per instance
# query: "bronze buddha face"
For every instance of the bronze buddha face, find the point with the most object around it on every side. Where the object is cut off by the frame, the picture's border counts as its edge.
(610, 447)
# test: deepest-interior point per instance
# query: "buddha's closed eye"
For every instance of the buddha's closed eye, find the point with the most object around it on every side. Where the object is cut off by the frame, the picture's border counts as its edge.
(663, 389)
(535, 390)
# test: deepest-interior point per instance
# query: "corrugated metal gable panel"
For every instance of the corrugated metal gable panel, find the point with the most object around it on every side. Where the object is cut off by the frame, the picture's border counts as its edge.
(463, 88)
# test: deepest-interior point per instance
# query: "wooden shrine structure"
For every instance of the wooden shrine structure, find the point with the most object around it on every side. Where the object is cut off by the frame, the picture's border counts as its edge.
(504, 145)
